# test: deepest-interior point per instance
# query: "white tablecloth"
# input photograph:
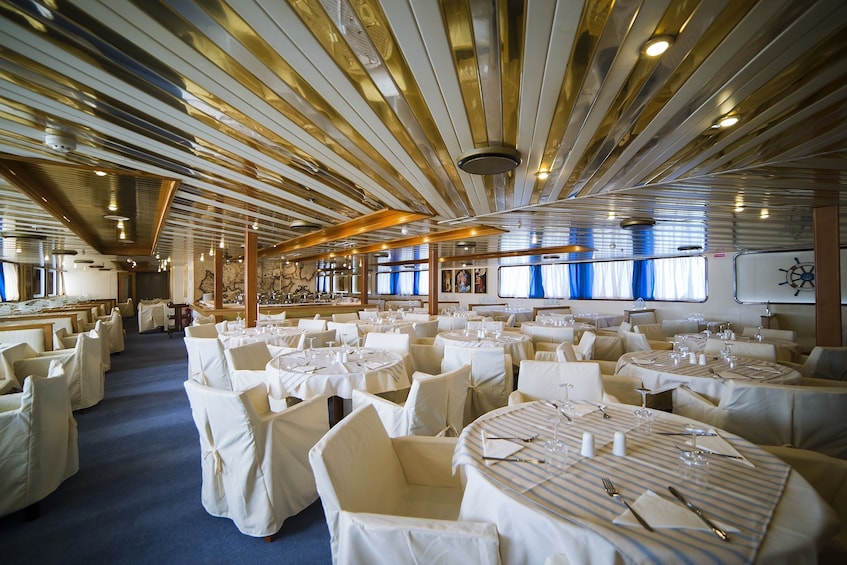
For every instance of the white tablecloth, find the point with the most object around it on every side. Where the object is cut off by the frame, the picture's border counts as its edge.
(779, 517)
(656, 371)
(280, 337)
(517, 345)
(599, 320)
(370, 370)
(786, 350)
(503, 312)
(542, 328)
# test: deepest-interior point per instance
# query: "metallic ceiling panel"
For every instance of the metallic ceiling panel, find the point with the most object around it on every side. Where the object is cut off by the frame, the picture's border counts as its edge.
(267, 112)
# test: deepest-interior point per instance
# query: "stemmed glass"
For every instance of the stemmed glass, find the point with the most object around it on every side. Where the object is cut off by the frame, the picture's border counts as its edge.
(310, 353)
(643, 415)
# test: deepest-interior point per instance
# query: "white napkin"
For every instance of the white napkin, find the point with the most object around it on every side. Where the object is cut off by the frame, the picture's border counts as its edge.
(580, 410)
(662, 513)
(717, 444)
(498, 448)
(764, 369)
(304, 368)
(643, 361)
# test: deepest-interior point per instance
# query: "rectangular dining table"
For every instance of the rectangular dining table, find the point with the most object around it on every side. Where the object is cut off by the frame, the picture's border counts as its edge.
(772, 514)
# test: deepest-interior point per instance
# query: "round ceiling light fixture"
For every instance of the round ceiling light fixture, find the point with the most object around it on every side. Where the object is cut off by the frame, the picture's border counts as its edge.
(303, 225)
(637, 223)
(60, 142)
(489, 160)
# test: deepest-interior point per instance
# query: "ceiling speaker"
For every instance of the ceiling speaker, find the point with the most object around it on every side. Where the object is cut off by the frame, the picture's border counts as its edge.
(489, 160)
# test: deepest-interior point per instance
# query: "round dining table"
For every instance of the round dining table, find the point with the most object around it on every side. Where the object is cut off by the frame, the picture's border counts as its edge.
(786, 350)
(325, 371)
(518, 345)
(544, 327)
(771, 514)
(658, 372)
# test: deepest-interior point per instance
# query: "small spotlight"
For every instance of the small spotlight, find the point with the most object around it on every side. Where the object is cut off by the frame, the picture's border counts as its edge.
(100, 173)
(726, 121)
(542, 174)
(655, 46)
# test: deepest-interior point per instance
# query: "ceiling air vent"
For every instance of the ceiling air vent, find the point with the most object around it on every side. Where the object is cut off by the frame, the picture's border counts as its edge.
(637, 223)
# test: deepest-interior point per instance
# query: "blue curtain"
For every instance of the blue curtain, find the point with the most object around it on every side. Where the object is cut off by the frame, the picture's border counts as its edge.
(536, 284)
(643, 270)
(581, 274)
(393, 282)
(2, 284)
(416, 283)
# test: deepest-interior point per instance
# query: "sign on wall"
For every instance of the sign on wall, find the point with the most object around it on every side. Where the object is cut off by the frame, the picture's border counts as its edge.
(781, 277)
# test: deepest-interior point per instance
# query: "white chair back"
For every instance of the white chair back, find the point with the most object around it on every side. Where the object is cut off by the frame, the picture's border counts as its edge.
(202, 330)
(397, 343)
(635, 342)
(584, 350)
(416, 317)
(491, 377)
(540, 380)
(565, 353)
(671, 328)
(207, 363)
(345, 317)
(345, 332)
(787, 335)
(312, 325)
(652, 331)
(551, 334)
(428, 328)
(319, 339)
(826, 363)
(251, 356)
(370, 315)
(426, 358)
(447, 323)
(641, 318)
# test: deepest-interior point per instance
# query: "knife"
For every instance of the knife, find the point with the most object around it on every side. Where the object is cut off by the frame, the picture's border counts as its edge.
(513, 459)
(707, 452)
(718, 532)
(686, 433)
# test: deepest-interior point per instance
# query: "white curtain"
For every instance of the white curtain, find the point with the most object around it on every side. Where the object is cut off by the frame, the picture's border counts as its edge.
(514, 281)
(680, 278)
(612, 279)
(383, 283)
(405, 283)
(10, 278)
(556, 281)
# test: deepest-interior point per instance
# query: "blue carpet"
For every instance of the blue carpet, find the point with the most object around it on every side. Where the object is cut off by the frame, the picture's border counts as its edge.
(136, 497)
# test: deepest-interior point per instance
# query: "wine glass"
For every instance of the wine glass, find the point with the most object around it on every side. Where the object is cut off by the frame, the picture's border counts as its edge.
(310, 352)
(566, 407)
(643, 415)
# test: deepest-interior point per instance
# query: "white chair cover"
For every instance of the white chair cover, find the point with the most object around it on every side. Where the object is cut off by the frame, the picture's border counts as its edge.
(565, 353)
(756, 350)
(416, 317)
(652, 331)
(254, 461)
(491, 377)
(635, 342)
(345, 317)
(640, 318)
(394, 500)
(435, 404)
(368, 314)
(398, 343)
(202, 330)
(207, 363)
(584, 350)
(428, 328)
(788, 335)
(319, 338)
(426, 358)
(312, 325)
(345, 332)
(38, 442)
(808, 416)
(540, 380)
(203, 320)
(552, 334)
(826, 363)
(447, 323)
(82, 366)
(671, 328)
(249, 357)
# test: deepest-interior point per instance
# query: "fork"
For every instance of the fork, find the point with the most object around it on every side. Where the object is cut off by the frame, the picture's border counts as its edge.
(524, 439)
(613, 492)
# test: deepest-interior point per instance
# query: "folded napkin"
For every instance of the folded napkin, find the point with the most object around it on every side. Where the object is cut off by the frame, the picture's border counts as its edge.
(580, 410)
(764, 369)
(643, 361)
(498, 448)
(717, 444)
(662, 513)
(373, 365)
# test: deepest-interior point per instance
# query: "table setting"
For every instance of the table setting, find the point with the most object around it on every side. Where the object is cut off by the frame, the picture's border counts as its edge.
(337, 371)
(548, 498)
(706, 375)
(518, 345)
(279, 336)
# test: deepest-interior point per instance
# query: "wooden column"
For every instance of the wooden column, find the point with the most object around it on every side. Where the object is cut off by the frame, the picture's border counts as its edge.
(251, 278)
(827, 277)
(364, 278)
(219, 279)
(434, 279)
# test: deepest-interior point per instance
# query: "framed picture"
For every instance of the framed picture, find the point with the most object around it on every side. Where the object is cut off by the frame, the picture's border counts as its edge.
(480, 281)
(462, 281)
(447, 280)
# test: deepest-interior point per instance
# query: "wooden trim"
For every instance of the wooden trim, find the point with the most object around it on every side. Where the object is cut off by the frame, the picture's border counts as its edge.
(46, 327)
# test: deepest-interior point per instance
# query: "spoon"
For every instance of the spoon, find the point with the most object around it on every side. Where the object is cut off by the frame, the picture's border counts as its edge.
(605, 414)
(715, 374)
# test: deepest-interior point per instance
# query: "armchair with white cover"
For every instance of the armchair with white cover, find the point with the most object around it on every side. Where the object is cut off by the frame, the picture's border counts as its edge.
(491, 377)
(255, 461)
(207, 363)
(395, 500)
(38, 442)
(540, 380)
(82, 366)
(435, 405)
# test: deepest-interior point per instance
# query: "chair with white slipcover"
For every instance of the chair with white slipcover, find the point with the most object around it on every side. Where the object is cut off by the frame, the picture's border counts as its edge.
(346, 333)
(318, 339)
(395, 500)
(491, 378)
(426, 357)
(82, 366)
(447, 323)
(754, 350)
(254, 461)
(787, 335)
(247, 363)
(824, 363)
(345, 317)
(540, 380)
(641, 318)
(584, 350)
(425, 329)
(202, 330)
(38, 443)
(435, 405)
(207, 363)
(312, 325)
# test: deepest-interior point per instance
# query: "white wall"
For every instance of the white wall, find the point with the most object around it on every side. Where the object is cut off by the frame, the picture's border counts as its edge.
(91, 282)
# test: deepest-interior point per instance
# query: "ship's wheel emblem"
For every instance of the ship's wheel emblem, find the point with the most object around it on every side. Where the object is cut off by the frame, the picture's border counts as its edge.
(800, 276)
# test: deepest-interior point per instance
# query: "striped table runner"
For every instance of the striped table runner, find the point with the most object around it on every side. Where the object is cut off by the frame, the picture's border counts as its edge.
(740, 496)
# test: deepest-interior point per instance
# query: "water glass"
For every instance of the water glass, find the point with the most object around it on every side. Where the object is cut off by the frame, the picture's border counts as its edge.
(694, 469)
(555, 456)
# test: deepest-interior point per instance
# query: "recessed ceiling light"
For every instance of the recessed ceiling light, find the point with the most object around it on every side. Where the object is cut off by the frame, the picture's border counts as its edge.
(100, 173)
(489, 160)
(116, 217)
(726, 121)
(542, 174)
(655, 46)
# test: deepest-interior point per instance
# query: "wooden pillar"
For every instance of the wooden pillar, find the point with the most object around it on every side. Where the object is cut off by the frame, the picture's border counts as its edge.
(251, 278)
(434, 279)
(364, 280)
(219, 279)
(827, 277)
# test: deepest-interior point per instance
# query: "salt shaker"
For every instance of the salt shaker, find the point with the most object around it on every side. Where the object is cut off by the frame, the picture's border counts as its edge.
(587, 444)
(619, 445)
(702, 359)
(692, 358)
